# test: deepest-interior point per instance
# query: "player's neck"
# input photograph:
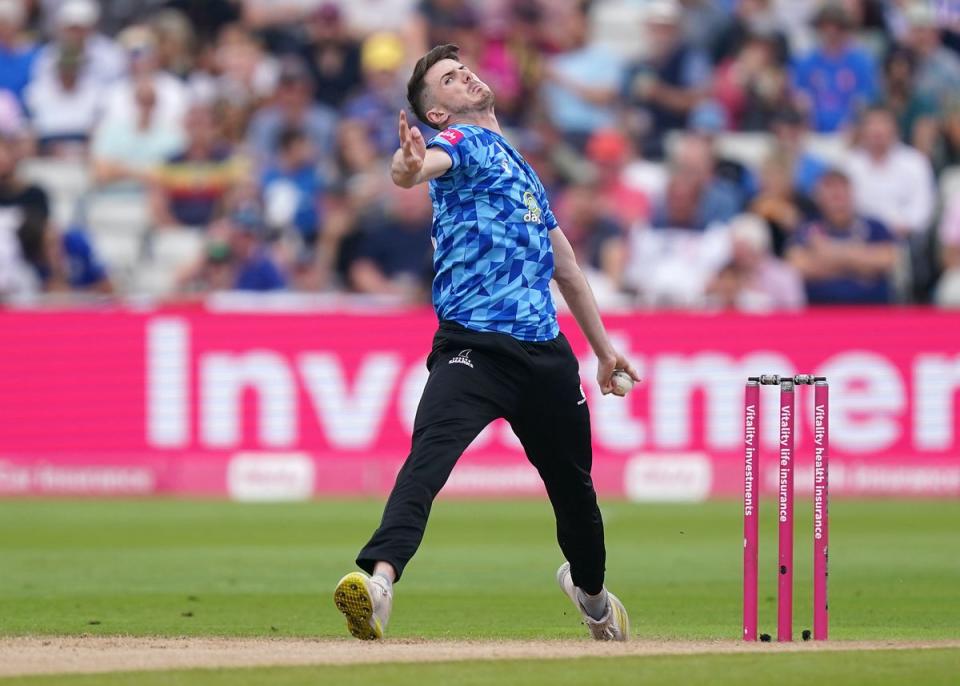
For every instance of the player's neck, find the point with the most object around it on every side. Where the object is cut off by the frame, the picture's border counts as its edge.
(486, 119)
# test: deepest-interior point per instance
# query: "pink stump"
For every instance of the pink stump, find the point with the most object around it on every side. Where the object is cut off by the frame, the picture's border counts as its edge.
(821, 520)
(751, 503)
(785, 514)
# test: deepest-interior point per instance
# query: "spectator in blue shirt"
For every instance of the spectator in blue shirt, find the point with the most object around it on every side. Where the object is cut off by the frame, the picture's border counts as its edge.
(76, 265)
(236, 257)
(838, 77)
(254, 267)
(16, 54)
(843, 258)
(695, 196)
(393, 249)
(789, 126)
(581, 83)
(292, 188)
(292, 105)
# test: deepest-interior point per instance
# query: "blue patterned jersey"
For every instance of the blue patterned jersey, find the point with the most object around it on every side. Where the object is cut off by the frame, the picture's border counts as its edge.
(492, 253)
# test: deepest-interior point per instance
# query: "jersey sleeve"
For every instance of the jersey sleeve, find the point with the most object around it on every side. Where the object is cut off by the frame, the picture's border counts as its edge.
(549, 220)
(455, 142)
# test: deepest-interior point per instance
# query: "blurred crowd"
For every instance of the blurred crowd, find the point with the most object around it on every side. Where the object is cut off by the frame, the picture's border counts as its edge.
(749, 154)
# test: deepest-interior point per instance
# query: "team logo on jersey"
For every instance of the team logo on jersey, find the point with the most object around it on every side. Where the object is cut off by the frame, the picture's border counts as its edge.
(462, 357)
(452, 136)
(533, 208)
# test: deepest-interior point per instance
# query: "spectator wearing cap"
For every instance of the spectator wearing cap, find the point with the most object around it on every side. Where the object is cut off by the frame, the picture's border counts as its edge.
(580, 83)
(668, 82)
(189, 188)
(17, 53)
(916, 113)
(382, 93)
(844, 258)
(255, 267)
(789, 127)
(292, 106)
(332, 55)
(76, 30)
(938, 68)
(754, 280)
(838, 78)
(139, 44)
(64, 107)
(892, 182)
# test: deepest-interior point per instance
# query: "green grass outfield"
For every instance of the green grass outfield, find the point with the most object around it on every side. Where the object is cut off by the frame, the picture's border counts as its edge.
(486, 570)
(875, 668)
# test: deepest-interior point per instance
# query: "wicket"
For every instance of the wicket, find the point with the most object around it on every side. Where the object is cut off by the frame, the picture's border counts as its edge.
(751, 503)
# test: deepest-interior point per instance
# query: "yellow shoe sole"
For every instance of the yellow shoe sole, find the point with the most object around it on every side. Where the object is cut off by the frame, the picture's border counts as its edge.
(354, 601)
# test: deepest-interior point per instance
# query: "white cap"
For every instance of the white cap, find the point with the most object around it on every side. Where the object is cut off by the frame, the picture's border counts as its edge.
(662, 12)
(78, 13)
(12, 12)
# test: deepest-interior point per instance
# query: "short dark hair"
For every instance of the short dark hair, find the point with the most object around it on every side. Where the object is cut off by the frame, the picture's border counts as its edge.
(417, 87)
(289, 135)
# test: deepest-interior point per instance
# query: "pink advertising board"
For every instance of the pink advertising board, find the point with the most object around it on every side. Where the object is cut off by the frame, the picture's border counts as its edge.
(274, 406)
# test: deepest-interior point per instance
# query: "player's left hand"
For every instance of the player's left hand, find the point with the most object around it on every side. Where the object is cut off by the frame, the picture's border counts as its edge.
(605, 368)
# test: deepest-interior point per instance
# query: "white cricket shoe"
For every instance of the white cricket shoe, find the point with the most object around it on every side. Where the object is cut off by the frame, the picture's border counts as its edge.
(615, 624)
(366, 603)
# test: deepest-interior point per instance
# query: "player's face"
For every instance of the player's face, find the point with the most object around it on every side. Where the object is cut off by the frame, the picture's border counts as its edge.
(454, 89)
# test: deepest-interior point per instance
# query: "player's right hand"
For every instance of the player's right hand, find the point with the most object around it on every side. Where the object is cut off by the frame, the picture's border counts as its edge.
(413, 149)
(605, 367)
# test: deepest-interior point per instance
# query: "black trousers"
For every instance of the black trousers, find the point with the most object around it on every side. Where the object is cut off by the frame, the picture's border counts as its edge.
(478, 377)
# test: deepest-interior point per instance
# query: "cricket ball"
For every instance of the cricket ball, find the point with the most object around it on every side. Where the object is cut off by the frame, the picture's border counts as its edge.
(622, 383)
